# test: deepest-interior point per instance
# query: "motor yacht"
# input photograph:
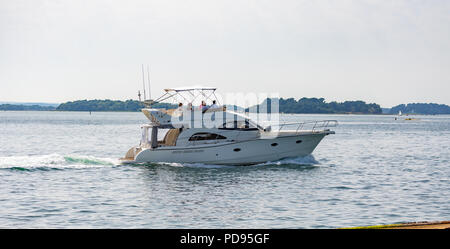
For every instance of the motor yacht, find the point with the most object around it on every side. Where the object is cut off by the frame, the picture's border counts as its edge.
(218, 135)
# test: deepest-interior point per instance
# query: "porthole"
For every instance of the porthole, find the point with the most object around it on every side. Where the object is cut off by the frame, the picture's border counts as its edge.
(237, 149)
(298, 141)
(274, 144)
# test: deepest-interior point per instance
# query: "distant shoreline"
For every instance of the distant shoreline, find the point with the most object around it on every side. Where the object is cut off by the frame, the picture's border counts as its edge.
(286, 106)
(359, 114)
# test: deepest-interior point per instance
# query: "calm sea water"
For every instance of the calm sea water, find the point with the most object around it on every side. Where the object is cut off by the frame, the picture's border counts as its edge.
(60, 170)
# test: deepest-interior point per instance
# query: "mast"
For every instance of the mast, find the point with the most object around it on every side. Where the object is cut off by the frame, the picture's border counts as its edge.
(143, 81)
(148, 80)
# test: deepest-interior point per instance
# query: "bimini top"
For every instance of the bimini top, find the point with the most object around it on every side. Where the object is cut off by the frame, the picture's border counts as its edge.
(186, 95)
(192, 88)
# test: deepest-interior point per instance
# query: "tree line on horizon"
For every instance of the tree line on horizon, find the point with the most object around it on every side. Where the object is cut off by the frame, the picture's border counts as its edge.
(289, 105)
(318, 105)
(421, 108)
(108, 105)
(11, 107)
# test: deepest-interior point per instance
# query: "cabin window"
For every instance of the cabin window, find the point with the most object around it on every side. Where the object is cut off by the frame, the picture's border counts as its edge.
(205, 136)
(274, 144)
(239, 125)
(298, 141)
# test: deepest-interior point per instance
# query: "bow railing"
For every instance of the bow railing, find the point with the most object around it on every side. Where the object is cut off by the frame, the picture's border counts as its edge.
(297, 127)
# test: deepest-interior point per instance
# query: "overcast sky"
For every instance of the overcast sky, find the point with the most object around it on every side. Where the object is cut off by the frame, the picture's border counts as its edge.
(388, 52)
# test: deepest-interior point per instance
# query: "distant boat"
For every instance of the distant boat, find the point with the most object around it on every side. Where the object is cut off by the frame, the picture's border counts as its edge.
(407, 119)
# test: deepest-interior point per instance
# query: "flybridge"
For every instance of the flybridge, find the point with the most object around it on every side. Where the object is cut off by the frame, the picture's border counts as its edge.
(186, 95)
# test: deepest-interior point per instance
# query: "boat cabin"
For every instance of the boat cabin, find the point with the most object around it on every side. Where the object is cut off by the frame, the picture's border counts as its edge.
(188, 125)
(154, 136)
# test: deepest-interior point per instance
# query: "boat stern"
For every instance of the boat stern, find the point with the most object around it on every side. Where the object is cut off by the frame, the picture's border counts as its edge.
(130, 156)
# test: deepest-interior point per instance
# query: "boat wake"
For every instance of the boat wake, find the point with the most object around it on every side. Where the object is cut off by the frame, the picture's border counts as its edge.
(54, 161)
(306, 160)
(61, 162)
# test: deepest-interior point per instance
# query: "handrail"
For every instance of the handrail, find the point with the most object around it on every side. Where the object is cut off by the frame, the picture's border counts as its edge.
(302, 126)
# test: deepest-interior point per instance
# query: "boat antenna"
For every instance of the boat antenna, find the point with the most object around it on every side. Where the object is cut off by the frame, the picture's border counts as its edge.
(143, 81)
(148, 76)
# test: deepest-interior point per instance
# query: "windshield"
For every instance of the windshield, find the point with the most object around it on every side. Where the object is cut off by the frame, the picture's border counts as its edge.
(240, 124)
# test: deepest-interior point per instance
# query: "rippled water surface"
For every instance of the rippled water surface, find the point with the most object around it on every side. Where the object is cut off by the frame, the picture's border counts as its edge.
(60, 170)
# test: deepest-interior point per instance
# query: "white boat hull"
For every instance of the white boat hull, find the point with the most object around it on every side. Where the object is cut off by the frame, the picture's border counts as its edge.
(235, 153)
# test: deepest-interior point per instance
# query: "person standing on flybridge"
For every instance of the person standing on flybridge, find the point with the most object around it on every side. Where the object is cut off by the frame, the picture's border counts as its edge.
(203, 106)
(179, 110)
(214, 105)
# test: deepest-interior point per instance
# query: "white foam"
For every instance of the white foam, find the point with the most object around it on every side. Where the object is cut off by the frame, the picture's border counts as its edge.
(307, 160)
(192, 165)
(55, 161)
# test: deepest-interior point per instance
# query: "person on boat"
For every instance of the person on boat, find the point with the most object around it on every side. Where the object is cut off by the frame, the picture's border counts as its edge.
(203, 106)
(179, 110)
(214, 105)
